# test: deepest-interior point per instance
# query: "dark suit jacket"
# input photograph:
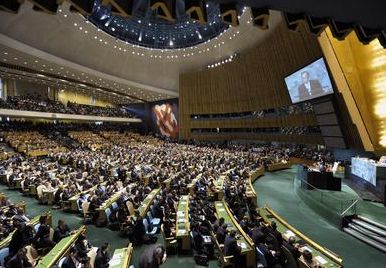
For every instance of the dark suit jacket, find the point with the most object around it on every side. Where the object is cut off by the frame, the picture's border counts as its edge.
(147, 260)
(68, 263)
(231, 247)
(102, 259)
(60, 233)
(316, 90)
(15, 262)
(292, 249)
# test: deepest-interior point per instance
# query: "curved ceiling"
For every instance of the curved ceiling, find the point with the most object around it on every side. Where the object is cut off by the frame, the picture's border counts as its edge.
(145, 28)
(68, 40)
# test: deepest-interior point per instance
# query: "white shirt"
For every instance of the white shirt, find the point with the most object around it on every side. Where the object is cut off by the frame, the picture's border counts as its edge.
(308, 87)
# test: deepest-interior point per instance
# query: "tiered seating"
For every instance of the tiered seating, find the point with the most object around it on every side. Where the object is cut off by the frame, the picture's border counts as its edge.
(98, 110)
(28, 103)
(32, 143)
(6, 152)
(126, 138)
(89, 140)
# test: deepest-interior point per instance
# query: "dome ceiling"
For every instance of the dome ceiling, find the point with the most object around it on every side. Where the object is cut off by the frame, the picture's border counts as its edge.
(144, 28)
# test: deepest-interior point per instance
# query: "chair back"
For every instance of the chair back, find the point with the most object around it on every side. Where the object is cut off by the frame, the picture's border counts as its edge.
(79, 205)
(51, 235)
(130, 207)
(36, 227)
(85, 206)
(31, 254)
(146, 224)
(61, 261)
(149, 216)
(39, 191)
(4, 252)
(108, 213)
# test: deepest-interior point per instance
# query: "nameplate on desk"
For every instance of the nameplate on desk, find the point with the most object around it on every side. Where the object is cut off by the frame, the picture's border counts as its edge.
(320, 260)
(181, 232)
(242, 245)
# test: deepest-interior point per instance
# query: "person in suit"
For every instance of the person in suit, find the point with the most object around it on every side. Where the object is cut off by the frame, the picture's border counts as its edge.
(309, 87)
(221, 233)
(292, 247)
(276, 234)
(20, 260)
(231, 248)
(72, 260)
(61, 231)
(42, 237)
(18, 240)
(153, 257)
(102, 258)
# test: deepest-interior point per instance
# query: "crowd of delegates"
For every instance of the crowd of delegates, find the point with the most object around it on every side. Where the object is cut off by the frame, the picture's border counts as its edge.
(132, 168)
(44, 104)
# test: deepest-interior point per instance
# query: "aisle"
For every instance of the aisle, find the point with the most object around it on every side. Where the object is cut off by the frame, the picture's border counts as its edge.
(276, 190)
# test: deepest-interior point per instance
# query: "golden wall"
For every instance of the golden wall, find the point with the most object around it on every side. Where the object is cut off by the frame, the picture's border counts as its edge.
(66, 95)
(360, 73)
(254, 81)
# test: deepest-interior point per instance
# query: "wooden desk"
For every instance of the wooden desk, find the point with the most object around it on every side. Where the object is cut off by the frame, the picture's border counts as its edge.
(121, 257)
(192, 184)
(323, 256)
(102, 218)
(243, 240)
(279, 166)
(256, 174)
(146, 203)
(73, 206)
(182, 222)
(61, 249)
(220, 187)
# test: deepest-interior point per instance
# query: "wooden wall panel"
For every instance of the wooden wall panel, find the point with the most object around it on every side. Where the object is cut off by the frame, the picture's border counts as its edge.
(254, 81)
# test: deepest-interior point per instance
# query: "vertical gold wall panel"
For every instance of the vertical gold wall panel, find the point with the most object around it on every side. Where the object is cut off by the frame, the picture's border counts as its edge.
(254, 81)
(364, 71)
(73, 96)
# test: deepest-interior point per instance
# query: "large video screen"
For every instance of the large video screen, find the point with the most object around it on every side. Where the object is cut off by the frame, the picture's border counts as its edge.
(365, 169)
(312, 81)
(165, 117)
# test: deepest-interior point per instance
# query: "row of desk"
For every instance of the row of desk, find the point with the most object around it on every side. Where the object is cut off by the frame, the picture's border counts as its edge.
(120, 259)
(182, 222)
(322, 256)
(243, 240)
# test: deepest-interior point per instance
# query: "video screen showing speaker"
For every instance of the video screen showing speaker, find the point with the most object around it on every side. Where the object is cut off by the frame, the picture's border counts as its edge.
(310, 82)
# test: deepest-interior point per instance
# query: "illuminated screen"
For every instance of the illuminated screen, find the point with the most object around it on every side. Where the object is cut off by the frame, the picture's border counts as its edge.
(364, 169)
(165, 118)
(309, 82)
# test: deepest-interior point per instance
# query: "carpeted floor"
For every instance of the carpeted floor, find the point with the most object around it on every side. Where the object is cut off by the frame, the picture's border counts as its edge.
(273, 189)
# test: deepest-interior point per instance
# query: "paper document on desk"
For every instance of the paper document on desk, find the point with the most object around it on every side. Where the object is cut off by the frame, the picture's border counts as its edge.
(242, 245)
(221, 209)
(115, 261)
(320, 260)
(180, 213)
(289, 233)
(181, 232)
(181, 220)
